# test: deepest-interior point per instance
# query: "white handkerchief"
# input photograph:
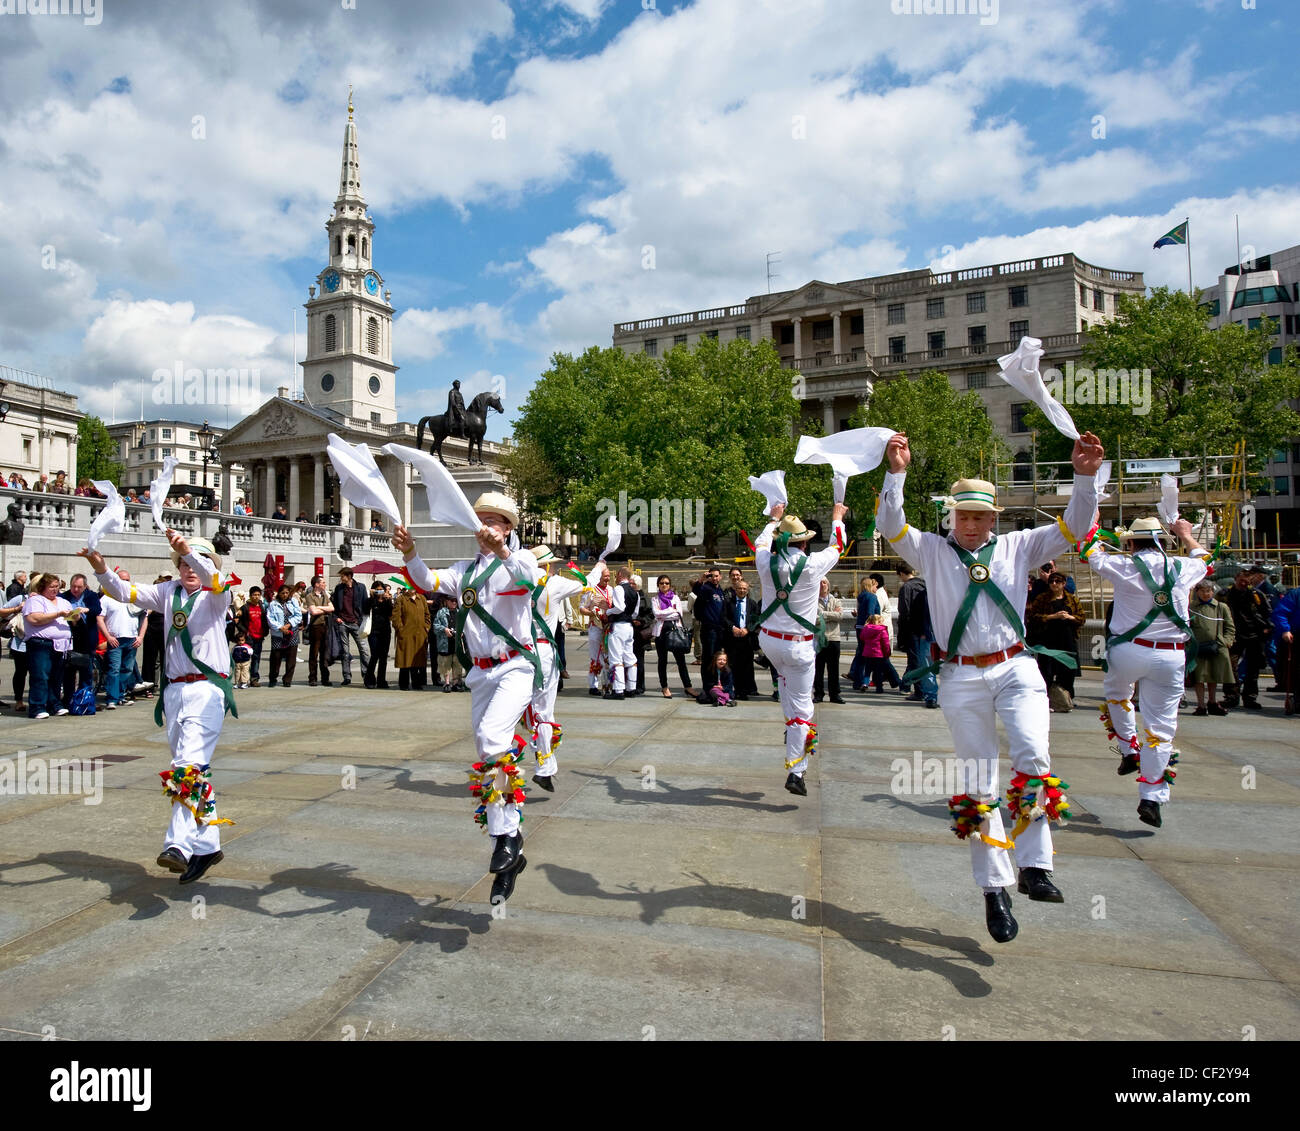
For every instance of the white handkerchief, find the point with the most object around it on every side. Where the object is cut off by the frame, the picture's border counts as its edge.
(840, 484)
(614, 539)
(1103, 477)
(158, 491)
(1168, 508)
(1019, 369)
(771, 485)
(360, 480)
(111, 518)
(447, 502)
(854, 452)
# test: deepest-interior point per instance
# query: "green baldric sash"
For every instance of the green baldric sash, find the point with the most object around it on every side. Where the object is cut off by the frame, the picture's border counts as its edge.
(981, 581)
(1162, 605)
(471, 602)
(540, 621)
(180, 626)
(783, 591)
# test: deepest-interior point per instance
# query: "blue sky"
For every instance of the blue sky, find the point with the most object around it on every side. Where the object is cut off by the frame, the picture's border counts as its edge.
(518, 159)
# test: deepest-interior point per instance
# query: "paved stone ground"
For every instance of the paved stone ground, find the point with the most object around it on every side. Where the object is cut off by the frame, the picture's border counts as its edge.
(712, 905)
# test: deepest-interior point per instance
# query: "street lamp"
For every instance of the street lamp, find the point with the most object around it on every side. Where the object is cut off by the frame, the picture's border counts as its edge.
(206, 436)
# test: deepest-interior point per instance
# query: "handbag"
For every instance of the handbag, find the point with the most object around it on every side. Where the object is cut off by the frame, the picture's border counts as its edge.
(678, 639)
(1207, 648)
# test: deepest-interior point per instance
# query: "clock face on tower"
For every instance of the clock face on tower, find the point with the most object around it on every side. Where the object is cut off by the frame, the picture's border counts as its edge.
(372, 283)
(330, 281)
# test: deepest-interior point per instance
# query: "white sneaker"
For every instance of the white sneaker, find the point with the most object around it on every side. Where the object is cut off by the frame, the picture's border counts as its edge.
(110, 706)
(143, 687)
(41, 715)
(61, 711)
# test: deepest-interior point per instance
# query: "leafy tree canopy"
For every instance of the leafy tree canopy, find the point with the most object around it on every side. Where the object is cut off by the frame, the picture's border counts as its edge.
(96, 451)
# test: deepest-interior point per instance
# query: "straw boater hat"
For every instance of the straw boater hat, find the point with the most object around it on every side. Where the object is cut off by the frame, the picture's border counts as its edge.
(1143, 529)
(543, 555)
(199, 546)
(493, 502)
(793, 526)
(972, 495)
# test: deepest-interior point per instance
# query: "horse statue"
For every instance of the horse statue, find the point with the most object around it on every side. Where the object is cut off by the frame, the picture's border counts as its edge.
(475, 427)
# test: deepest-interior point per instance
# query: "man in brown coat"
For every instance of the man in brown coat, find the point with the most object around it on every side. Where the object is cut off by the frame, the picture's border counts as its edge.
(411, 621)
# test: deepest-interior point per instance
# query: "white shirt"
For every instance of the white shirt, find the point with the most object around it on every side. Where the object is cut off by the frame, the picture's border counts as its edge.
(554, 599)
(207, 619)
(1014, 555)
(665, 616)
(803, 596)
(1133, 598)
(120, 619)
(504, 596)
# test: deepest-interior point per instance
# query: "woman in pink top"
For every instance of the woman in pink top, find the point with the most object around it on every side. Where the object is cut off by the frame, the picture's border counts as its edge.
(875, 654)
(48, 639)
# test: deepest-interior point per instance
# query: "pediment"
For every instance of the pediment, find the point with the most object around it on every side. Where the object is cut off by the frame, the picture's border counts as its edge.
(282, 421)
(816, 294)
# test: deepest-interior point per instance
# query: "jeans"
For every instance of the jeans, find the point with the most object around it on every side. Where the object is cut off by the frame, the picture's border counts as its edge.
(117, 669)
(918, 654)
(45, 667)
(363, 650)
(256, 646)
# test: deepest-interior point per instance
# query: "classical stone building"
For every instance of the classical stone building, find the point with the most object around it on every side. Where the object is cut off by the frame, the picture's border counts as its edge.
(142, 445)
(38, 433)
(842, 338)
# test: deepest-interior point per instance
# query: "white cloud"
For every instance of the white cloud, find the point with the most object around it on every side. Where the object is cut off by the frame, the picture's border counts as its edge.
(424, 333)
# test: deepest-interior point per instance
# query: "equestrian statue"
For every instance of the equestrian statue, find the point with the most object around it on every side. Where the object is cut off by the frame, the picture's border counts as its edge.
(469, 424)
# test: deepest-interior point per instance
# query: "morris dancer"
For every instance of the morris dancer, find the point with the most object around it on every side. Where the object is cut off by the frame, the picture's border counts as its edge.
(495, 624)
(196, 661)
(1149, 642)
(548, 607)
(791, 579)
(624, 602)
(977, 583)
(596, 600)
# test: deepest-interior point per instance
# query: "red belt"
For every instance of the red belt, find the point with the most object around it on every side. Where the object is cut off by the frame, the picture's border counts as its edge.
(785, 635)
(193, 677)
(988, 659)
(492, 663)
(1162, 645)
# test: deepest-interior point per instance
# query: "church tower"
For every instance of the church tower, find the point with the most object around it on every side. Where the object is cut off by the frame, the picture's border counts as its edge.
(349, 365)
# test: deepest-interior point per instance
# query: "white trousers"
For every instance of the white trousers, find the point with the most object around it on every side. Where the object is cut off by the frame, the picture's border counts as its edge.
(544, 710)
(498, 697)
(595, 639)
(622, 657)
(793, 661)
(973, 699)
(194, 714)
(1161, 673)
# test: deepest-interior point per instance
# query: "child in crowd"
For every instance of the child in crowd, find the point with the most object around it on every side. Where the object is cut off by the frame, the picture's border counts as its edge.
(723, 692)
(241, 655)
(875, 654)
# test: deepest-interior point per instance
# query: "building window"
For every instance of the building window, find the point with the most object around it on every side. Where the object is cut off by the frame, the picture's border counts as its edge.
(1083, 295)
(166, 433)
(711, 334)
(742, 333)
(977, 338)
(374, 418)
(153, 454)
(1083, 325)
(27, 449)
(1023, 472)
(934, 308)
(1253, 323)
(153, 434)
(166, 452)
(679, 340)
(372, 335)
(650, 347)
(823, 331)
(1099, 300)
(1018, 413)
(331, 333)
(375, 384)
(194, 436)
(327, 382)
(1275, 356)
(194, 457)
(975, 302)
(1295, 484)
(898, 349)
(1017, 331)
(139, 478)
(936, 343)
(194, 477)
(897, 313)
(977, 380)
(855, 325)
(1281, 484)
(786, 339)
(1278, 456)
(365, 248)
(1018, 296)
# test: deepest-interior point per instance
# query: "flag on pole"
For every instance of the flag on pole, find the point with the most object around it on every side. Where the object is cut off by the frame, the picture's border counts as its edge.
(1177, 236)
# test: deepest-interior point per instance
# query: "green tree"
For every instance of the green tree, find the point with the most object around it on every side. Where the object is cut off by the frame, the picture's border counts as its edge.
(693, 425)
(950, 434)
(95, 452)
(1208, 388)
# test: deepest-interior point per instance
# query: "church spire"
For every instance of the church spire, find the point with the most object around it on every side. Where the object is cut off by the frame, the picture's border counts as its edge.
(350, 172)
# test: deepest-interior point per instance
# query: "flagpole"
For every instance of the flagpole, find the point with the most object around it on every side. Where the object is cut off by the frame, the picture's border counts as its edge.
(1188, 222)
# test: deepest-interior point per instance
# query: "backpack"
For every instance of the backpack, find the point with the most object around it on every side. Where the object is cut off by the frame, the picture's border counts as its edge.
(83, 701)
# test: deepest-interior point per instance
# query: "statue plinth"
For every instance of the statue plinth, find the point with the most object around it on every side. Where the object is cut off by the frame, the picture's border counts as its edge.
(438, 543)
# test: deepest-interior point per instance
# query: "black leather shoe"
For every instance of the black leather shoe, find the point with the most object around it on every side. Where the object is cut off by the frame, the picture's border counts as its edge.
(200, 864)
(997, 914)
(1252, 704)
(544, 782)
(1037, 884)
(795, 784)
(1149, 813)
(503, 885)
(594, 691)
(1128, 764)
(346, 683)
(172, 860)
(506, 853)
(838, 699)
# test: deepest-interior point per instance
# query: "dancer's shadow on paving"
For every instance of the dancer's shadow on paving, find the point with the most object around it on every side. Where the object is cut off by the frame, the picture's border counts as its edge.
(458, 791)
(665, 794)
(129, 883)
(866, 930)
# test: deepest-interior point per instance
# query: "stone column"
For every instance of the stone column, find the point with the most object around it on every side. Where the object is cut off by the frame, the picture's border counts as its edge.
(295, 485)
(765, 328)
(798, 339)
(317, 488)
(836, 345)
(345, 511)
(266, 495)
(828, 415)
(227, 490)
